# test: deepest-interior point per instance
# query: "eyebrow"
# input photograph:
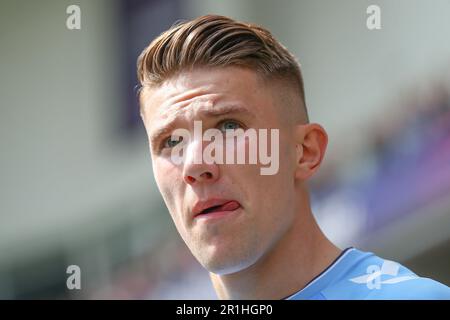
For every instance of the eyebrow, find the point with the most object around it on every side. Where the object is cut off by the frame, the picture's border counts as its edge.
(217, 111)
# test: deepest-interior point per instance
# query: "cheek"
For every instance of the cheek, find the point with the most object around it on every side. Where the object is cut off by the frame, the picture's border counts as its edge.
(168, 180)
(163, 167)
(274, 193)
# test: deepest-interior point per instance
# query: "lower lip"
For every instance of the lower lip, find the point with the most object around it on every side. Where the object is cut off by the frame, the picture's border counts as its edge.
(217, 214)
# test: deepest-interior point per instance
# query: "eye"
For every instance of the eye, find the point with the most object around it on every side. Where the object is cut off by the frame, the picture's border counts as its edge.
(229, 125)
(172, 141)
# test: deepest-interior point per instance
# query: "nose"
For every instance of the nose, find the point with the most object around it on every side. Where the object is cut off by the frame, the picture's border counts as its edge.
(195, 169)
(205, 176)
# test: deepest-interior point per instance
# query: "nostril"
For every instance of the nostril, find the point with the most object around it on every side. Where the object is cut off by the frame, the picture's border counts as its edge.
(190, 179)
(207, 175)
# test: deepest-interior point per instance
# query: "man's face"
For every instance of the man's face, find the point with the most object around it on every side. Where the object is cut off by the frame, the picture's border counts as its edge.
(260, 207)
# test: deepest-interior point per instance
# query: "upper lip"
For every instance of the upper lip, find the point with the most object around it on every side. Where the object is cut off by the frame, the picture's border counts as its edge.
(200, 206)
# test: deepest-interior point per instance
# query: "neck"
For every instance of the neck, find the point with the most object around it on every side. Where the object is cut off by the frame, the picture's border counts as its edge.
(300, 255)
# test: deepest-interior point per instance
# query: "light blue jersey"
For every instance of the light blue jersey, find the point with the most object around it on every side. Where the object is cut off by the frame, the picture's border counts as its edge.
(362, 275)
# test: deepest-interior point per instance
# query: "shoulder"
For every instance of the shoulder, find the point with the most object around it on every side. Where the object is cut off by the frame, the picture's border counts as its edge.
(415, 289)
(372, 277)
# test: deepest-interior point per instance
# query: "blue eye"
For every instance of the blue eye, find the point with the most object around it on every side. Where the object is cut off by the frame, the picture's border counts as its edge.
(229, 125)
(172, 141)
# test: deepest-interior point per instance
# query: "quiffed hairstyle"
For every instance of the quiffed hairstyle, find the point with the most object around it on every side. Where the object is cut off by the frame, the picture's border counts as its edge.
(218, 41)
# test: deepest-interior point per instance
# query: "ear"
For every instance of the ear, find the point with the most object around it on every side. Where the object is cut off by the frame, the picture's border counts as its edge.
(311, 143)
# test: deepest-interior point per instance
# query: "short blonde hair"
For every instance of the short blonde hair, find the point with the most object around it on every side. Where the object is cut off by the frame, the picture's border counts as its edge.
(218, 41)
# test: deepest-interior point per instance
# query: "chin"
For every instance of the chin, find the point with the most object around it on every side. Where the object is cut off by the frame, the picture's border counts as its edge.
(223, 266)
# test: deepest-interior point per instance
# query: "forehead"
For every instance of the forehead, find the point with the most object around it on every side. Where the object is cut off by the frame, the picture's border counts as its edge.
(202, 88)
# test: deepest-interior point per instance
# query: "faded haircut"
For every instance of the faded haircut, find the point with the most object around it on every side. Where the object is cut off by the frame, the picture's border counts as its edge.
(218, 41)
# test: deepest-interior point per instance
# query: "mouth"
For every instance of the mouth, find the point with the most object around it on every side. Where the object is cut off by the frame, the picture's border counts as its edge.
(215, 207)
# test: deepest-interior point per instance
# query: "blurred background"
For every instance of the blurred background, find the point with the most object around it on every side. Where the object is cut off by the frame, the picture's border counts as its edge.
(76, 183)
